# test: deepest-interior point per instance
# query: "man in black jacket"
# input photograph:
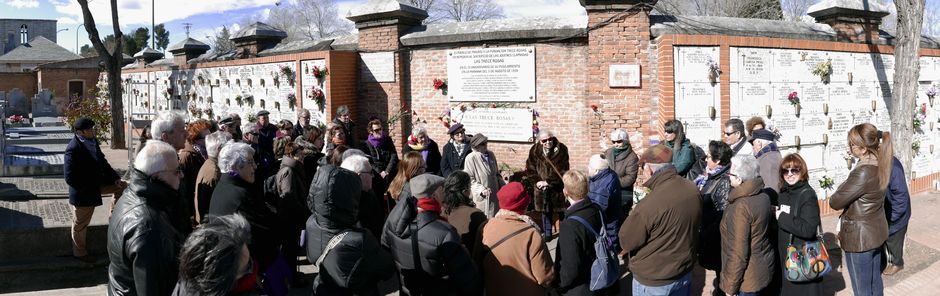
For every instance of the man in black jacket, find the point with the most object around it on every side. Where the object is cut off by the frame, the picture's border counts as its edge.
(143, 245)
(456, 150)
(89, 175)
(575, 254)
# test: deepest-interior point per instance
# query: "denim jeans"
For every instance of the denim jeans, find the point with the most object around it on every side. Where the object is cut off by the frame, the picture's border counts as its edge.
(865, 272)
(681, 287)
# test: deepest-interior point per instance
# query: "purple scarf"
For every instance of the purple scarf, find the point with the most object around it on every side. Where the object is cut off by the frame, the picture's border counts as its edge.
(377, 142)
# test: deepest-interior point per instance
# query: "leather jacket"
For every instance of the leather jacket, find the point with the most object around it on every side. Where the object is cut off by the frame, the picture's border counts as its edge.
(143, 245)
(864, 226)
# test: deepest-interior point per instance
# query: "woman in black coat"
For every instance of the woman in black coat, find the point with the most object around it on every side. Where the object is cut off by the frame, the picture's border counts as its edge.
(382, 155)
(798, 216)
(430, 152)
(714, 186)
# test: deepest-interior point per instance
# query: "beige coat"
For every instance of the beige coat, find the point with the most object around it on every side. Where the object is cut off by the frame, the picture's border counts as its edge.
(521, 265)
(484, 175)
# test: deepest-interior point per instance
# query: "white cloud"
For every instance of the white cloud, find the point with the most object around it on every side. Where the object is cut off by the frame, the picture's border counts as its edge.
(22, 3)
(68, 21)
(137, 12)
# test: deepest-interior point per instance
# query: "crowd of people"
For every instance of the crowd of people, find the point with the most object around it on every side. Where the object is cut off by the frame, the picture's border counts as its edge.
(225, 208)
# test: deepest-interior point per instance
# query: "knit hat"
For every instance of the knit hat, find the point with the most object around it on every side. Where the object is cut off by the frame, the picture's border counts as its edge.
(82, 123)
(762, 134)
(423, 186)
(454, 128)
(477, 140)
(513, 197)
(656, 155)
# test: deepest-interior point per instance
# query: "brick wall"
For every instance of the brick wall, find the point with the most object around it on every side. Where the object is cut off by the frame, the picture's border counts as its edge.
(24, 81)
(383, 99)
(561, 76)
(625, 40)
(57, 80)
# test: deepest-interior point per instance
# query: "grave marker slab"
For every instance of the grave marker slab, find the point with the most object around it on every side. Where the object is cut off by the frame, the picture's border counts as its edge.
(17, 103)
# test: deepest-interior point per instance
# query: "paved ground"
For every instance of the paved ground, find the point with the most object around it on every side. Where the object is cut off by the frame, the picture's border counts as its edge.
(922, 255)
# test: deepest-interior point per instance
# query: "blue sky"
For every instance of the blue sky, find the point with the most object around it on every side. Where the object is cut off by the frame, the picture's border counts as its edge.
(210, 15)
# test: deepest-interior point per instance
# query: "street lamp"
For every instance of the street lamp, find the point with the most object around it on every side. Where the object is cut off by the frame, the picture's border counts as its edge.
(76, 38)
(60, 30)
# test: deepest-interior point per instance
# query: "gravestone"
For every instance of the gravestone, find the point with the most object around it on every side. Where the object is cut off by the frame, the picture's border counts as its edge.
(17, 103)
(43, 105)
(3, 99)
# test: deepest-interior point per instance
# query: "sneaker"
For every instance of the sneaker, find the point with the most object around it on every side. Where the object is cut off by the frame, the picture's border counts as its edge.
(892, 269)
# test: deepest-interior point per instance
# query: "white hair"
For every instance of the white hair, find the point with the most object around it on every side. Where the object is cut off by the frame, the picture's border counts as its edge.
(234, 156)
(154, 157)
(249, 127)
(164, 124)
(546, 132)
(619, 135)
(745, 167)
(303, 112)
(353, 152)
(762, 142)
(419, 130)
(597, 163)
(357, 164)
(214, 142)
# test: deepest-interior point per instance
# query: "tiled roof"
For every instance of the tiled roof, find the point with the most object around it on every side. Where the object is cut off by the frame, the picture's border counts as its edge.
(39, 49)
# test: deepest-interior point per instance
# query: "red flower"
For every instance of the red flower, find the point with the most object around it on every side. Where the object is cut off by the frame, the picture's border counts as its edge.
(923, 108)
(493, 105)
(594, 107)
(439, 84)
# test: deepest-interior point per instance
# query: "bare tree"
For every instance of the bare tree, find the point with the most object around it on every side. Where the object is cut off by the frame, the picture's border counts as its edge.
(470, 10)
(112, 63)
(906, 60)
(309, 20)
(794, 10)
(932, 19)
(765, 9)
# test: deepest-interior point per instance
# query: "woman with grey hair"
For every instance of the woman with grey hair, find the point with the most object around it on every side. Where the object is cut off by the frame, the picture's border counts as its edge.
(420, 142)
(344, 118)
(236, 192)
(208, 175)
(747, 256)
(623, 160)
(215, 259)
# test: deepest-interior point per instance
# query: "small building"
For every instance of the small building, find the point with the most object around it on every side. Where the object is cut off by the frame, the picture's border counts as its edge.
(37, 51)
(15, 32)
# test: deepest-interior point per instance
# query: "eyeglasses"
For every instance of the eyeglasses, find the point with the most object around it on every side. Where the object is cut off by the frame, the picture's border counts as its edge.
(377, 130)
(546, 140)
(670, 132)
(791, 171)
(616, 141)
(731, 133)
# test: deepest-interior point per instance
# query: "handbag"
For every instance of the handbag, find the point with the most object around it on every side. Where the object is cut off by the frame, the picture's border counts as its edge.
(808, 262)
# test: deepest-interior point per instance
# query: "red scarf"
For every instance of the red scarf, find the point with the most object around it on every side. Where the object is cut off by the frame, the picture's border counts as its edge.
(430, 205)
(247, 282)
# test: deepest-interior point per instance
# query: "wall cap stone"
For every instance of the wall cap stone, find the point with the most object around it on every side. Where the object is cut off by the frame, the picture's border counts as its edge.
(499, 29)
(847, 8)
(376, 10)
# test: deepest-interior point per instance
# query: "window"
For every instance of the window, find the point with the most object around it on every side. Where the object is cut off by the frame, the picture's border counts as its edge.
(24, 34)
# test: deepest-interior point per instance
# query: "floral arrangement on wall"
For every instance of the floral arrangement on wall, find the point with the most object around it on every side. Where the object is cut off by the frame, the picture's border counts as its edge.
(441, 85)
(714, 70)
(823, 70)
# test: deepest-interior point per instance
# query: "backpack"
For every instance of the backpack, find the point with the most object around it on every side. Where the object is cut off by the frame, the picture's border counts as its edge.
(699, 165)
(605, 270)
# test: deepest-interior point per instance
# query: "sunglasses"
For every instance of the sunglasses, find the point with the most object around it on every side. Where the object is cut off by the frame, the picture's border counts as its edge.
(617, 141)
(791, 171)
(546, 140)
(731, 133)
(670, 132)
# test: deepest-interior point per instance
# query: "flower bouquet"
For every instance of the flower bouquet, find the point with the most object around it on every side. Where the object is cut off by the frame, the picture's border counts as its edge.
(920, 116)
(823, 70)
(826, 183)
(320, 73)
(794, 100)
(714, 70)
(441, 85)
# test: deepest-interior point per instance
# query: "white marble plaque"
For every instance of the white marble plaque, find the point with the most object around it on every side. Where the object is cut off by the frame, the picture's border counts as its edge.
(504, 74)
(694, 102)
(750, 99)
(813, 155)
(377, 67)
(692, 62)
(309, 82)
(788, 67)
(498, 124)
(623, 76)
(752, 64)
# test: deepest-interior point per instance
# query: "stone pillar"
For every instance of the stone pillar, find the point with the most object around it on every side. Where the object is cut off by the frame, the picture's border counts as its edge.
(621, 37)
(186, 50)
(257, 37)
(381, 23)
(852, 21)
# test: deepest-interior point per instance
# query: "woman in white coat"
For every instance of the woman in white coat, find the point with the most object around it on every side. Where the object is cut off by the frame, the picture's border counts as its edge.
(485, 179)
